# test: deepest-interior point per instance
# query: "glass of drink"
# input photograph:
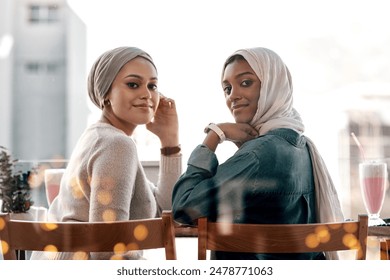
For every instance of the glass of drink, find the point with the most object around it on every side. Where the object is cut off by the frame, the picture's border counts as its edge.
(52, 183)
(373, 177)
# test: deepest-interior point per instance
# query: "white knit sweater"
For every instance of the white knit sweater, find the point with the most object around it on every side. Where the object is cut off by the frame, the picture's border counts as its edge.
(105, 181)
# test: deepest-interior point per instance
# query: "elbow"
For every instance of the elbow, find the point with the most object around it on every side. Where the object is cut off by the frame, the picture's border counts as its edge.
(181, 215)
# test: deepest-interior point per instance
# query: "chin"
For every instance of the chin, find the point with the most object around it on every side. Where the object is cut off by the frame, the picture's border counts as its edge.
(143, 121)
(241, 120)
(243, 117)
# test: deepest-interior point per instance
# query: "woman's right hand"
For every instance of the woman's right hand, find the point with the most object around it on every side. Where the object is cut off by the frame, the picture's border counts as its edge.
(238, 133)
(165, 124)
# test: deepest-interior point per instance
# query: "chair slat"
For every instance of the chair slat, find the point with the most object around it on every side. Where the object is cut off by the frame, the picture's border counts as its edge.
(91, 237)
(285, 238)
(385, 249)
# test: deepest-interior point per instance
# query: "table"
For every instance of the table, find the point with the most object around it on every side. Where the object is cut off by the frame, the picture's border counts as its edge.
(379, 231)
(377, 234)
(186, 231)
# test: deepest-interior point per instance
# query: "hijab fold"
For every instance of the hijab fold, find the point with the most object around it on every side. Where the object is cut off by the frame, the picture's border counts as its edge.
(275, 110)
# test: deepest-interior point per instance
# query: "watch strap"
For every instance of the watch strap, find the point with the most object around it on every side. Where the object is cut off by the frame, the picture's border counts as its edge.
(166, 151)
(217, 130)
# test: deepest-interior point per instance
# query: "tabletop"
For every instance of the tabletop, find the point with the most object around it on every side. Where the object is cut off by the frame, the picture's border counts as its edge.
(379, 231)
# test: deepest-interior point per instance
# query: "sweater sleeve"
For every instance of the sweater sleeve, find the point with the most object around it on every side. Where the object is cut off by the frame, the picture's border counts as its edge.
(170, 170)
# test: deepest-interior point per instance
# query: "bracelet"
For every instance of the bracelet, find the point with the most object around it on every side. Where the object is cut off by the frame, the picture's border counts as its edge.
(167, 151)
(216, 129)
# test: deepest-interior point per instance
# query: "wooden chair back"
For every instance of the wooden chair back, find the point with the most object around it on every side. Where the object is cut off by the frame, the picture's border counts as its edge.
(385, 249)
(283, 238)
(84, 237)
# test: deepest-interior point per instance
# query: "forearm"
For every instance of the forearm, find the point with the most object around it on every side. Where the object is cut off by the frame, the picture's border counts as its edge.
(236, 133)
(193, 192)
(211, 140)
(169, 172)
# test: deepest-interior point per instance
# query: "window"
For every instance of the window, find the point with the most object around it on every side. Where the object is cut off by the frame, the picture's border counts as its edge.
(38, 67)
(43, 13)
(34, 67)
(52, 67)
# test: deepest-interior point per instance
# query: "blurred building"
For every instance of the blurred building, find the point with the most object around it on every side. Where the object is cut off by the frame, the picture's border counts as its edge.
(368, 117)
(43, 107)
(361, 108)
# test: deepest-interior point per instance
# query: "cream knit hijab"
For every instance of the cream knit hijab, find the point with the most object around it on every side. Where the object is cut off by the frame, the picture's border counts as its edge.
(275, 110)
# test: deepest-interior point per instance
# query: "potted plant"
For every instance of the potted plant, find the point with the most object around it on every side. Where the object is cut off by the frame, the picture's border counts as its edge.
(15, 190)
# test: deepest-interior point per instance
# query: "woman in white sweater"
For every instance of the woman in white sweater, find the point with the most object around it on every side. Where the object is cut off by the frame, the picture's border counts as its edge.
(104, 180)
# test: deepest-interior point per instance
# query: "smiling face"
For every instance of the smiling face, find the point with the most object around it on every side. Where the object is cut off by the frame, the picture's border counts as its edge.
(133, 95)
(242, 90)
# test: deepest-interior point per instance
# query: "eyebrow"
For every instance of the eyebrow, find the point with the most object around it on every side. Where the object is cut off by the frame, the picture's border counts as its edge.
(139, 77)
(240, 75)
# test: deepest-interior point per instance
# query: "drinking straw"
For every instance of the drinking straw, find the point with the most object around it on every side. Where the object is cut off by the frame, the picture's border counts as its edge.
(359, 146)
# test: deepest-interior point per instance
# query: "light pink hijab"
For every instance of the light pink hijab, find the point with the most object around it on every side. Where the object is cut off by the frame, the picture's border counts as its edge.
(275, 110)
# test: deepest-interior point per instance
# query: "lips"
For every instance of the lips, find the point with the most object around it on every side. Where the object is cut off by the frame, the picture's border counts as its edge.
(143, 105)
(238, 106)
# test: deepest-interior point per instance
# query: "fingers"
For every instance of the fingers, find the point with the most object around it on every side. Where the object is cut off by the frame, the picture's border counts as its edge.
(248, 130)
(238, 132)
(248, 133)
(252, 132)
(167, 102)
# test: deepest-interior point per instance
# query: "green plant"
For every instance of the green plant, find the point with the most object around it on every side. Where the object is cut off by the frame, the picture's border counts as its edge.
(15, 190)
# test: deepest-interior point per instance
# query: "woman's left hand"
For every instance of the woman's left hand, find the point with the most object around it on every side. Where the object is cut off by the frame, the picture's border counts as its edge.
(165, 124)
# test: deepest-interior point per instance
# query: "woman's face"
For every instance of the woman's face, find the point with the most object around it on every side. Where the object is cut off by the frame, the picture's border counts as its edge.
(133, 95)
(242, 90)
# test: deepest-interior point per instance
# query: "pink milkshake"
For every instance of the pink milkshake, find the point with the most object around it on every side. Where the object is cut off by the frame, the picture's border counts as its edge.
(372, 182)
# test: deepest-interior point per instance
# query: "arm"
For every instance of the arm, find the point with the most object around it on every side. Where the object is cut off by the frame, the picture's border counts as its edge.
(195, 194)
(238, 133)
(169, 172)
(165, 126)
(204, 188)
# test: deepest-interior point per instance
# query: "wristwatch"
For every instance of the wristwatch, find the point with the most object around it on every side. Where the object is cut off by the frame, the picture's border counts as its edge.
(217, 130)
(166, 151)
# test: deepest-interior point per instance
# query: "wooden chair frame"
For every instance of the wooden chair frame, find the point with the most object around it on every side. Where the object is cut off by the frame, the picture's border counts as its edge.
(116, 236)
(385, 249)
(282, 238)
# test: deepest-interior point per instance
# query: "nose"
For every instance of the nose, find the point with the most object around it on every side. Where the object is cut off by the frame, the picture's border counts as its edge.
(234, 94)
(146, 93)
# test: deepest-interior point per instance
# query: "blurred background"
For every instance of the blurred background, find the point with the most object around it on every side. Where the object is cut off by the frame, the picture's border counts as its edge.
(337, 51)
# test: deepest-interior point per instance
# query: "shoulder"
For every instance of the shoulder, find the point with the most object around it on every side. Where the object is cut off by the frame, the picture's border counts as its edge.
(281, 137)
(113, 138)
(104, 139)
(280, 143)
(264, 143)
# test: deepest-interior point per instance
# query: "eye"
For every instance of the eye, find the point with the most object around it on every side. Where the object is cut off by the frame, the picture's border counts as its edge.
(132, 85)
(152, 86)
(246, 83)
(227, 90)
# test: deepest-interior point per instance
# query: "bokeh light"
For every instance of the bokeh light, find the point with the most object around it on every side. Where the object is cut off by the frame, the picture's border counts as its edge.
(141, 232)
